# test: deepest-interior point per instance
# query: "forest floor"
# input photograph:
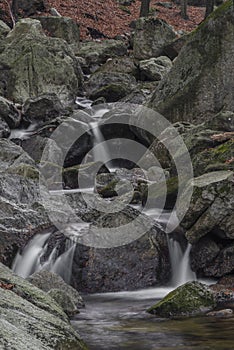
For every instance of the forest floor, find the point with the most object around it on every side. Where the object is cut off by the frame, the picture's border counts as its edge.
(111, 18)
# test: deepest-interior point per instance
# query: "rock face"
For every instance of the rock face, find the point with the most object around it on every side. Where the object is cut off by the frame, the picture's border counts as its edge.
(44, 65)
(209, 224)
(140, 264)
(150, 37)
(21, 305)
(189, 299)
(20, 210)
(201, 82)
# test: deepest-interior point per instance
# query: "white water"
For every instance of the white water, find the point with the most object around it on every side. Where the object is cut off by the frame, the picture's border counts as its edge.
(100, 151)
(29, 261)
(23, 134)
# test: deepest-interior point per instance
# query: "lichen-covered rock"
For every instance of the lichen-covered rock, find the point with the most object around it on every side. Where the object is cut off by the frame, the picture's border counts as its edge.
(189, 299)
(62, 27)
(4, 29)
(150, 37)
(200, 84)
(48, 281)
(154, 69)
(31, 319)
(43, 65)
(64, 300)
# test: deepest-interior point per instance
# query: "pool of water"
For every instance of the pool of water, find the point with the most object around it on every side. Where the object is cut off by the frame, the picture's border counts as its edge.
(119, 321)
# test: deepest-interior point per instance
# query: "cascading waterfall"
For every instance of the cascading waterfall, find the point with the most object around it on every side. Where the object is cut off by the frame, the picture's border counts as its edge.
(29, 261)
(100, 151)
(180, 263)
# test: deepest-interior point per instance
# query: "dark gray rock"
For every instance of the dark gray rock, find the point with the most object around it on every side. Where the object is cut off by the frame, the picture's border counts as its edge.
(42, 108)
(111, 86)
(9, 113)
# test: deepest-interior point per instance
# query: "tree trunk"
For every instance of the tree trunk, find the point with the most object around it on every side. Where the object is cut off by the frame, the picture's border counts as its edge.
(183, 4)
(144, 12)
(209, 7)
(15, 8)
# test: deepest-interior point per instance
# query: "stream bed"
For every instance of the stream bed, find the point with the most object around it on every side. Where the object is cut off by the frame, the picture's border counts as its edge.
(119, 321)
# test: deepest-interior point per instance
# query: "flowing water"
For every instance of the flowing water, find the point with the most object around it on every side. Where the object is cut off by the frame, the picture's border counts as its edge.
(118, 321)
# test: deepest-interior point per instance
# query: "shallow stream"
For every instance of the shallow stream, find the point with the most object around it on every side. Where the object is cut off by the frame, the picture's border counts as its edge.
(119, 321)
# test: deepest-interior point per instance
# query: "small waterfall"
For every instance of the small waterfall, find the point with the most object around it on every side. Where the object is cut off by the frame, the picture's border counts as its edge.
(180, 263)
(63, 264)
(100, 151)
(29, 261)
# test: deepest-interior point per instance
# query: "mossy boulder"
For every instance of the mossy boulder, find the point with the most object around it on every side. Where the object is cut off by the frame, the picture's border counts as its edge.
(192, 298)
(201, 82)
(33, 63)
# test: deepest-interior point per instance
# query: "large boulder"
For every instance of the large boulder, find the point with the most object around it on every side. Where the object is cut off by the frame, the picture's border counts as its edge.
(189, 299)
(44, 65)
(47, 281)
(30, 7)
(111, 86)
(21, 305)
(201, 82)
(150, 37)
(97, 53)
(142, 263)
(62, 27)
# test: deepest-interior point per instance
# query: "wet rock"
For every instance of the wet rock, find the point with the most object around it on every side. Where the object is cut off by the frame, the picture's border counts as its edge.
(9, 113)
(222, 264)
(47, 281)
(150, 37)
(42, 108)
(154, 69)
(189, 299)
(43, 63)
(4, 129)
(142, 263)
(220, 313)
(203, 253)
(32, 306)
(200, 84)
